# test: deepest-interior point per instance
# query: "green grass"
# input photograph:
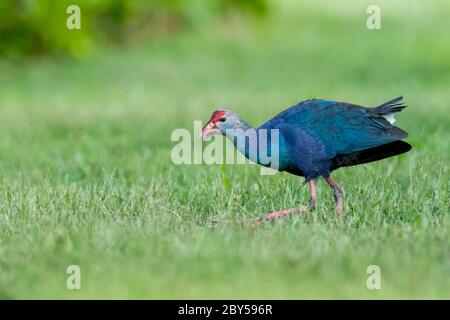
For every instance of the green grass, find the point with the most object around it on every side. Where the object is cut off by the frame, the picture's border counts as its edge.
(86, 175)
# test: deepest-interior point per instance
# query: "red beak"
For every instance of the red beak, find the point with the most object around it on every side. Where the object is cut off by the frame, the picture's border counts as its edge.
(208, 130)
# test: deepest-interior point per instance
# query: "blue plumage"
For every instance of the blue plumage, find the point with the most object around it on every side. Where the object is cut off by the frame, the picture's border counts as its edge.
(315, 132)
(317, 137)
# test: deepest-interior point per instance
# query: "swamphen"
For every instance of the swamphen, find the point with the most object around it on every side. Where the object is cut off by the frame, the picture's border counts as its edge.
(319, 136)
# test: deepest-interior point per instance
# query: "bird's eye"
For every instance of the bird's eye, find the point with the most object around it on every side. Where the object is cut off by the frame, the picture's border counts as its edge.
(222, 120)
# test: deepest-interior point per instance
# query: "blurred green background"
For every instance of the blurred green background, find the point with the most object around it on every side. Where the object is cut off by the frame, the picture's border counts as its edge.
(86, 176)
(34, 27)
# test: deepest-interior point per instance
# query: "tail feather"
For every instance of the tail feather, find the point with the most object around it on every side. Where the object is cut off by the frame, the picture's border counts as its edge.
(388, 109)
(392, 106)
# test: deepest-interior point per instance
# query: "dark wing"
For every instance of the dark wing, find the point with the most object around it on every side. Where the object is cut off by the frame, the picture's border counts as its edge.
(341, 128)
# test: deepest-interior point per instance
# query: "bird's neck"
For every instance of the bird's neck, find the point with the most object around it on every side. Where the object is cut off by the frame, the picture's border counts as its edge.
(248, 141)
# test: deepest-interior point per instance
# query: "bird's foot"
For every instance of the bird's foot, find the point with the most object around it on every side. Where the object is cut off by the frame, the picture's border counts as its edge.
(338, 195)
(300, 210)
(339, 203)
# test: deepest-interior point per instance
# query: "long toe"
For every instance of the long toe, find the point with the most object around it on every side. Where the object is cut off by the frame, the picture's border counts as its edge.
(300, 210)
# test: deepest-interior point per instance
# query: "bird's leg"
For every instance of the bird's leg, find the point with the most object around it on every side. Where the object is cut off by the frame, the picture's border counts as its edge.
(312, 189)
(337, 192)
(301, 209)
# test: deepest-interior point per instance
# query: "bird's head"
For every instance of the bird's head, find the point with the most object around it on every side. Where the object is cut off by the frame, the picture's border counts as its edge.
(221, 121)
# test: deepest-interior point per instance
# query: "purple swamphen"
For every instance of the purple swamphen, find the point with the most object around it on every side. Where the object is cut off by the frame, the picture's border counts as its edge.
(316, 137)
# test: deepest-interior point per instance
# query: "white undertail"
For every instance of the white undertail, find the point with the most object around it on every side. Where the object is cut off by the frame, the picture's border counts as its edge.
(390, 117)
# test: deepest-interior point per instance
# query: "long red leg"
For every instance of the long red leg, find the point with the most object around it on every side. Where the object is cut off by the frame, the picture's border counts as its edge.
(301, 209)
(337, 192)
(312, 189)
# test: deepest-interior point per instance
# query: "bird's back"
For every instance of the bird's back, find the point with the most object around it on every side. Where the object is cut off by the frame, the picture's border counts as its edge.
(341, 126)
(317, 131)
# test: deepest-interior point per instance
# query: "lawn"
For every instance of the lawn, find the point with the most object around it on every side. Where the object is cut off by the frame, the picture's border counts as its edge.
(86, 176)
